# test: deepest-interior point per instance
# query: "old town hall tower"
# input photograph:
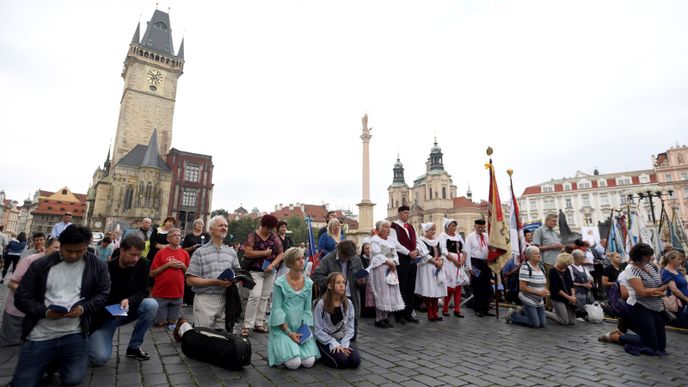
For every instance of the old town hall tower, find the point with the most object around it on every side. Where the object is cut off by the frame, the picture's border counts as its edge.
(146, 177)
(151, 70)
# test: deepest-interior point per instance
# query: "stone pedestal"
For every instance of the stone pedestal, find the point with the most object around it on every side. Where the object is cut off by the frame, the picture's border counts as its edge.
(365, 216)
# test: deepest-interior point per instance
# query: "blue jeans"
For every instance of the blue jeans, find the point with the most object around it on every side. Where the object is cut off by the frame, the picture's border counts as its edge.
(100, 348)
(530, 316)
(70, 353)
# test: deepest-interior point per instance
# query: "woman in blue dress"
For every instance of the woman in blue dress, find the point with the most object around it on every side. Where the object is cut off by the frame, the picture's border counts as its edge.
(291, 309)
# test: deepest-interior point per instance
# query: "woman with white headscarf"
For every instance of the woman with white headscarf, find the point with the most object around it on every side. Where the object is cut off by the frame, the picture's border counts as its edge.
(453, 248)
(430, 282)
(383, 275)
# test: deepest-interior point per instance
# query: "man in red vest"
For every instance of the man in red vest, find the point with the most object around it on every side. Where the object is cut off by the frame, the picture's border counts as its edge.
(405, 235)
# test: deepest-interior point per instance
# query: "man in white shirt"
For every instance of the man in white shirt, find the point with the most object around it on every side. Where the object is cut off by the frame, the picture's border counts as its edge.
(59, 227)
(481, 275)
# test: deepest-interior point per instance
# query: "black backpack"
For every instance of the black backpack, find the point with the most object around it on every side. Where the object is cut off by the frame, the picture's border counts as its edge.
(222, 349)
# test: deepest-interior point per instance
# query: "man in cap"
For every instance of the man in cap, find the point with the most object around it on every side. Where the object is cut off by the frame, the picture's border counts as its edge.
(403, 232)
(481, 275)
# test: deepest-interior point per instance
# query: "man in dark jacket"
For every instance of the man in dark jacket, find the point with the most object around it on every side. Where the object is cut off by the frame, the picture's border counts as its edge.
(129, 275)
(343, 260)
(72, 279)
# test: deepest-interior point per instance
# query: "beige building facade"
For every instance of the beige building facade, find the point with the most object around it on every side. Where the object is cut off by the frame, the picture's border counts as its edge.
(672, 174)
(433, 196)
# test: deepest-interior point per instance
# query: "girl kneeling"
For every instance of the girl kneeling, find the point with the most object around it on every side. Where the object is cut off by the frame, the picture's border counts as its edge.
(334, 325)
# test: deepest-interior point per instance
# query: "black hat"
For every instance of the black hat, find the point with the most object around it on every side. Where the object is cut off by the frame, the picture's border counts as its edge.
(480, 222)
(404, 208)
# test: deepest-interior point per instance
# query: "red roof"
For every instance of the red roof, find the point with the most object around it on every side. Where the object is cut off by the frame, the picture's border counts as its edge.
(464, 202)
(53, 207)
(318, 213)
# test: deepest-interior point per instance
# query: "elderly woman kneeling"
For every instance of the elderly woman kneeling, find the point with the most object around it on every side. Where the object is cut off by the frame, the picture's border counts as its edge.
(532, 291)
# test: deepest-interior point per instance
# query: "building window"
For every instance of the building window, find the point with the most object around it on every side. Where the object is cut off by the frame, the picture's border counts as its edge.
(429, 192)
(128, 199)
(568, 203)
(192, 172)
(444, 192)
(602, 183)
(189, 198)
(667, 178)
(584, 184)
(547, 188)
(685, 193)
(533, 205)
(570, 220)
(549, 204)
(623, 180)
(604, 200)
(623, 199)
(567, 186)
(679, 159)
(586, 201)
(684, 176)
(644, 179)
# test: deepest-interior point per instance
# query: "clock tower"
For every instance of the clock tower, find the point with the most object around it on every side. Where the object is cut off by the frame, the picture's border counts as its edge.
(151, 70)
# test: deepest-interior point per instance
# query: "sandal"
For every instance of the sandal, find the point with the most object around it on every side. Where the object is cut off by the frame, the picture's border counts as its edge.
(260, 329)
(244, 332)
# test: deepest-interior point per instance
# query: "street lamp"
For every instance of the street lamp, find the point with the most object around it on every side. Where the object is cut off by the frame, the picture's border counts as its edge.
(650, 195)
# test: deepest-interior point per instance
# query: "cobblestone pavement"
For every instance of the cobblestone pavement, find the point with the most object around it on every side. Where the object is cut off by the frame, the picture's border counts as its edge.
(454, 352)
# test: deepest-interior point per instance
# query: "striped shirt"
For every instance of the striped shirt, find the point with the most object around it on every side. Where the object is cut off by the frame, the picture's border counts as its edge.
(651, 279)
(535, 278)
(209, 261)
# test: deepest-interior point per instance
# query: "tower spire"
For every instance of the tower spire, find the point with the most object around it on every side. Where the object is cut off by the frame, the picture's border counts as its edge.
(150, 159)
(137, 34)
(180, 53)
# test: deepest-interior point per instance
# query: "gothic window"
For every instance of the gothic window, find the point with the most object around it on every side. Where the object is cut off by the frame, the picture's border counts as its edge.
(429, 192)
(128, 198)
(139, 196)
(158, 197)
(444, 192)
(149, 195)
(189, 198)
(191, 172)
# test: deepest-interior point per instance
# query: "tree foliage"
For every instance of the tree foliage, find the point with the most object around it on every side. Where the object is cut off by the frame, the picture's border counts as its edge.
(219, 211)
(240, 229)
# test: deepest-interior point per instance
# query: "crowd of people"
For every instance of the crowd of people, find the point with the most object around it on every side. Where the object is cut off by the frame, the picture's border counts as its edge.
(67, 298)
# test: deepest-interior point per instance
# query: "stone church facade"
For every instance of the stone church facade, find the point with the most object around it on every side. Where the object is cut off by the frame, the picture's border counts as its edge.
(433, 196)
(135, 181)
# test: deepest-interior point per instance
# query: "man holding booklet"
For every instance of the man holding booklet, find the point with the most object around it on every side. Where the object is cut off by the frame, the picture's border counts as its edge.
(127, 303)
(343, 260)
(73, 281)
(208, 262)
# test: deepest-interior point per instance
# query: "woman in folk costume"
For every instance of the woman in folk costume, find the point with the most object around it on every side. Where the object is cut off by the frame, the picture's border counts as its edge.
(383, 275)
(430, 278)
(453, 249)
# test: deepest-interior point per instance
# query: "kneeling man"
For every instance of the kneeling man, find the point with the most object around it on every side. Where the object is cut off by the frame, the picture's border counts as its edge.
(129, 277)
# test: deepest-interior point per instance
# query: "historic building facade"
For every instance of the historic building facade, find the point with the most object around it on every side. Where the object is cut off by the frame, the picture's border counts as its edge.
(587, 199)
(47, 208)
(433, 196)
(137, 181)
(672, 174)
(192, 182)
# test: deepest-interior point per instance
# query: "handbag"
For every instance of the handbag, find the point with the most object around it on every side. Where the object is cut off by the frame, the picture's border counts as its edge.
(462, 277)
(671, 303)
(595, 312)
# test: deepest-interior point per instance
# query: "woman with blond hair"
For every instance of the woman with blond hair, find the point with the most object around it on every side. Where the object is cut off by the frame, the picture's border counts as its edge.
(291, 310)
(563, 294)
(329, 240)
(334, 325)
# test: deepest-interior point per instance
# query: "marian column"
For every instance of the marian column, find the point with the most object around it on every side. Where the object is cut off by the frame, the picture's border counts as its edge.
(365, 207)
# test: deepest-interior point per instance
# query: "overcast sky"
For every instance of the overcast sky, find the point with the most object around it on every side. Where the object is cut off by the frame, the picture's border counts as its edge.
(274, 91)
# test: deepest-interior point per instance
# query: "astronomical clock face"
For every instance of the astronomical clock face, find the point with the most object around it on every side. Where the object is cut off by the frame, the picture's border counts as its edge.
(154, 77)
